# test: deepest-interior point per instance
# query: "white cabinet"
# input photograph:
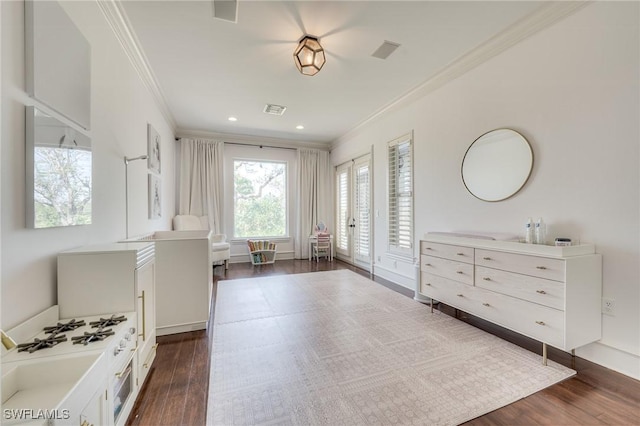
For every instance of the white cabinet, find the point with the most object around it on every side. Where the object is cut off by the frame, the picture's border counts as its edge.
(551, 294)
(184, 280)
(95, 412)
(146, 319)
(108, 278)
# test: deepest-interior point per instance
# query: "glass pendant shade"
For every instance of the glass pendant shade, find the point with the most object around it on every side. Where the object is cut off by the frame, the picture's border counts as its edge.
(309, 56)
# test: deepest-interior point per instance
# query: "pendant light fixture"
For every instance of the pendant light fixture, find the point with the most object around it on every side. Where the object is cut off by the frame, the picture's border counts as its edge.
(309, 55)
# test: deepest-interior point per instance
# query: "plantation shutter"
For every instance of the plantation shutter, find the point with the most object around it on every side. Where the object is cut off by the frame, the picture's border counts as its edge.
(401, 195)
(363, 207)
(342, 194)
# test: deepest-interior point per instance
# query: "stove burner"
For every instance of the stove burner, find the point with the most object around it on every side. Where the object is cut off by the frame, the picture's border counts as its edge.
(107, 322)
(96, 336)
(38, 344)
(63, 327)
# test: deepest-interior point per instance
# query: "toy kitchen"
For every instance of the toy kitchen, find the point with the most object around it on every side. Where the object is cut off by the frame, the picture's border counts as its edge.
(83, 361)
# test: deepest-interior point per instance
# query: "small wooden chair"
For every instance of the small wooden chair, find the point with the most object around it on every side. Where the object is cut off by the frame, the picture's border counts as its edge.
(322, 246)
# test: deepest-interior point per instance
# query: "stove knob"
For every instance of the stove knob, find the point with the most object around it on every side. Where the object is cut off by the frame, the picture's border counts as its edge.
(127, 336)
(132, 331)
(117, 350)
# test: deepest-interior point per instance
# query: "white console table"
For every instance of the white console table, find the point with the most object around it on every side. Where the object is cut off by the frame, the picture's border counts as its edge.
(551, 294)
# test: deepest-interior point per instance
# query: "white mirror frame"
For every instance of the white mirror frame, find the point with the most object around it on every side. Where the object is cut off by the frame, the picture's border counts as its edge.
(497, 165)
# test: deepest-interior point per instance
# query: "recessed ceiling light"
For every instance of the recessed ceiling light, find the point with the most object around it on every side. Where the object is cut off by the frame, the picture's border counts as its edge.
(299, 127)
(233, 119)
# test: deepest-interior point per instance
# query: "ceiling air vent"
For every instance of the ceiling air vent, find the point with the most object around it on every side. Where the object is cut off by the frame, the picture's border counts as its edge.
(227, 10)
(385, 49)
(274, 109)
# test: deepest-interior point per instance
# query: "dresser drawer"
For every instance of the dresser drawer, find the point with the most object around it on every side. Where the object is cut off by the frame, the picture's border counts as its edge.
(542, 267)
(539, 290)
(447, 251)
(444, 290)
(533, 320)
(458, 271)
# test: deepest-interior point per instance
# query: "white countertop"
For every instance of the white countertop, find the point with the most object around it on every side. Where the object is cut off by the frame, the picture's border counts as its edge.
(512, 246)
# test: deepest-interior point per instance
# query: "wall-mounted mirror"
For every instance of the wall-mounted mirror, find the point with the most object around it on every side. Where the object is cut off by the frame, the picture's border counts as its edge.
(497, 165)
(58, 173)
(57, 61)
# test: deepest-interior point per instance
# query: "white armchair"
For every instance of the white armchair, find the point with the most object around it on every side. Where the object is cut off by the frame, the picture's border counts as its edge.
(220, 248)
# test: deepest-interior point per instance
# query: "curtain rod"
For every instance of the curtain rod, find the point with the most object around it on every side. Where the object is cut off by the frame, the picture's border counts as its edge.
(259, 145)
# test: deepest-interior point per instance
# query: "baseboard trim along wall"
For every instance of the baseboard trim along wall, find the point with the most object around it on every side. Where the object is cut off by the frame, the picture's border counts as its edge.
(244, 258)
(394, 276)
(612, 358)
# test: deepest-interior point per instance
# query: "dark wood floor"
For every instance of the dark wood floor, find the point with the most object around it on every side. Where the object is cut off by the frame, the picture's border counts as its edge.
(176, 390)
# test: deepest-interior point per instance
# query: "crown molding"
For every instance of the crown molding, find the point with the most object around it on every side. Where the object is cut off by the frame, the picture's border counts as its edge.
(541, 18)
(121, 26)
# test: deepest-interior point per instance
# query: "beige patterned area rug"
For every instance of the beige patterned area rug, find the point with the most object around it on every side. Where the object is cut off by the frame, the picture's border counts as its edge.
(335, 348)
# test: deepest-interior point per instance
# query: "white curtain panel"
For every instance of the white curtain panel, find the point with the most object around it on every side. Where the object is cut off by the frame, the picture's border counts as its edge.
(325, 190)
(314, 196)
(201, 180)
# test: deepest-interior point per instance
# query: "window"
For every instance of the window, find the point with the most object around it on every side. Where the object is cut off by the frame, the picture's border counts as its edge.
(260, 199)
(401, 195)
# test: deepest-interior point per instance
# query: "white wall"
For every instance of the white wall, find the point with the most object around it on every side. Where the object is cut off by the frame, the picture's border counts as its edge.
(572, 90)
(121, 107)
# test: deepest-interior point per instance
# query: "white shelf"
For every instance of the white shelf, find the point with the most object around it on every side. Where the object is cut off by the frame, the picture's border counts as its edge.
(262, 257)
(261, 252)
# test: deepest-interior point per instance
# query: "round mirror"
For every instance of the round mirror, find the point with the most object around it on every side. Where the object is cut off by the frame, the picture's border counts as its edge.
(497, 165)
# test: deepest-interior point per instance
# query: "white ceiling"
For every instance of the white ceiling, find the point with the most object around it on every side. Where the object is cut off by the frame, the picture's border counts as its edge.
(209, 69)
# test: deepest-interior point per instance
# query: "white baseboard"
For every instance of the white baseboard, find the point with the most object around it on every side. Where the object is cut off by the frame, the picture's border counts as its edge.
(394, 276)
(612, 358)
(182, 328)
(244, 258)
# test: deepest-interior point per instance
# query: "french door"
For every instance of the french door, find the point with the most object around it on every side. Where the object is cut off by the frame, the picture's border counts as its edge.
(353, 212)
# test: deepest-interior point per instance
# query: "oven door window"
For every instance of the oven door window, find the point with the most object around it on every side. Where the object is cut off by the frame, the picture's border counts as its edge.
(122, 389)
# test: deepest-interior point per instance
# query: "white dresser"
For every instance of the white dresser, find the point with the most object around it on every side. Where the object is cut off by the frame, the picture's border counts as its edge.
(551, 294)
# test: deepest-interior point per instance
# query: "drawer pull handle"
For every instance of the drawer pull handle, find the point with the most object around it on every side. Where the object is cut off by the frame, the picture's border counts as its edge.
(541, 291)
(460, 295)
(486, 258)
(427, 264)
(540, 323)
(541, 267)
(460, 254)
(459, 272)
(429, 284)
(154, 348)
(486, 304)
(428, 248)
(487, 279)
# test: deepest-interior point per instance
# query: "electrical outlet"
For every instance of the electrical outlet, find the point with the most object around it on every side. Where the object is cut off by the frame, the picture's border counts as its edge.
(608, 307)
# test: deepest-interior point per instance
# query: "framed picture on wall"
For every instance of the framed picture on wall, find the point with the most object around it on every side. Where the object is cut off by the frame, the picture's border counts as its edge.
(153, 149)
(155, 197)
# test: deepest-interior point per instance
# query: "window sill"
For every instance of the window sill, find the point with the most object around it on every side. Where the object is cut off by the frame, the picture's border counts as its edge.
(243, 241)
